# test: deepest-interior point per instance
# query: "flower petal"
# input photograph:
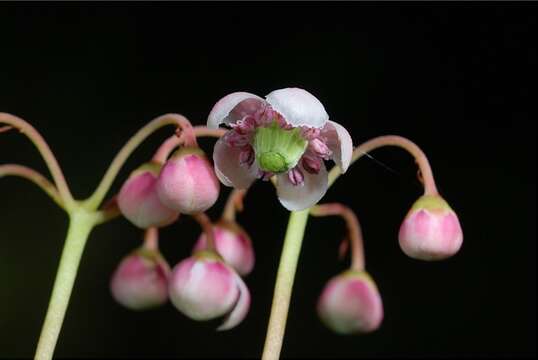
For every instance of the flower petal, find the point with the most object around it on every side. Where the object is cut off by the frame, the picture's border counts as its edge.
(240, 309)
(340, 143)
(299, 197)
(233, 107)
(228, 169)
(299, 107)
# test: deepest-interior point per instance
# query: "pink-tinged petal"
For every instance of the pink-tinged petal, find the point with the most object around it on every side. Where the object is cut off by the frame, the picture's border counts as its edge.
(187, 183)
(340, 143)
(228, 167)
(430, 234)
(299, 107)
(141, 282)
(233, 107)
(203, 289)
(234, 246)
(299, 197)
(139, 203)
(350, 303)
(240, 309)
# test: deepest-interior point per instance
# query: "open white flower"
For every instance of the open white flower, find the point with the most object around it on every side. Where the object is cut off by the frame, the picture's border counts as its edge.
(288, 134)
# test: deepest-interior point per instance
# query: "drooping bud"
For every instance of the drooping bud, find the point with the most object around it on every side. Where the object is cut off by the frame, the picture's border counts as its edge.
(203, 287)
(187, 182)
(278, 149)
(141, 280)
(431, 230)
(350, 303)
(233, 244)
(138, 200)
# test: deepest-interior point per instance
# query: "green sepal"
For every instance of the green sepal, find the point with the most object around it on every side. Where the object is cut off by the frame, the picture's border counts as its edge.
(431, 203)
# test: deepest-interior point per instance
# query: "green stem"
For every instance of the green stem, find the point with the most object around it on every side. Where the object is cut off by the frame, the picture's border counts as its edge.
(80, 225)
(284, 283)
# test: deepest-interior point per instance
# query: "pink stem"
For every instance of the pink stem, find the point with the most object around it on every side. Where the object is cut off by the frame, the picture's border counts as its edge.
(406, 144)
(174, 141)
(151, 239)
(33, 176)
(353, 227)
(207, 227)
(5, 128)
(164, 151)
(233, 204)
(45, 151)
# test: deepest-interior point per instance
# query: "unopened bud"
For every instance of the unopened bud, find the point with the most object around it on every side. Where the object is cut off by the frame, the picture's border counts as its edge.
(431, 230)
(187, 182)
(233, 244)
(138, 200)
(141, 280)
(203, 287)
(350, 303)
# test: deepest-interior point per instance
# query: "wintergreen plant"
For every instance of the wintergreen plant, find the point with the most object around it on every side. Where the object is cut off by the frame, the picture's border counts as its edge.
(285, 138)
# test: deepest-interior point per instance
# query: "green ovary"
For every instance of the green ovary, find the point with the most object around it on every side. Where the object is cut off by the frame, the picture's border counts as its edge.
(278, 150)
(272, 161)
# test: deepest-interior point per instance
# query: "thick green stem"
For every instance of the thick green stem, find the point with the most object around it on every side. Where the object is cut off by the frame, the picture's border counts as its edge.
(284, 284)
(81, 223)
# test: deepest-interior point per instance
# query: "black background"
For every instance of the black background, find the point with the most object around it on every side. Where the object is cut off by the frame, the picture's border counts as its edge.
(457, 79)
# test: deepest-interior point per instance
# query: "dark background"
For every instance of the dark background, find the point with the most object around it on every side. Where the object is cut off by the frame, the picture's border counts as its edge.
(457, 79)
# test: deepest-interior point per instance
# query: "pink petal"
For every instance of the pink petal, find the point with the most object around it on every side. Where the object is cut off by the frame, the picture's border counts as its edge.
(299, 197)
(299, 107)
(340, 143)
(228, 168)
(233, 107)
(241, 307)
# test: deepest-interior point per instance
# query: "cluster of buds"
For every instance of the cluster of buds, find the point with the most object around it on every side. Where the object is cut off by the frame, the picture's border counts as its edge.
(207, 284)
(155, 195)
(204, 286)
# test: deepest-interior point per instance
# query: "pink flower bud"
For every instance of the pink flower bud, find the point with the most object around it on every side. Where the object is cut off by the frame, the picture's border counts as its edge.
(203, 287)
(233, 244)
(350, 303)
(187, 182)
(431, 230)
(141, 280)
(138, 200)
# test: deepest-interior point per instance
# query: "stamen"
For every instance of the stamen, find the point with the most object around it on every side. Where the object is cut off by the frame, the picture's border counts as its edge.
(265, 175)
(235, 139)
(312, 164)
(245, 125)
(310, 133)
(246, 156)
(296, 176)
(319, 148)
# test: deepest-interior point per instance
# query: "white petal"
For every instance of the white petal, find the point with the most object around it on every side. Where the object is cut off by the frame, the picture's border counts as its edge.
(299, 197)
(222, 109)
(299, 107)
(241, 307)
(228, 169)
(340, 143)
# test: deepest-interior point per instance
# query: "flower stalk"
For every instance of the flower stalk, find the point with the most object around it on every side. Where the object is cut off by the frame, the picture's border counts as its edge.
(80, 225)
(284, 284)
(353, 227)
(394, 140)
